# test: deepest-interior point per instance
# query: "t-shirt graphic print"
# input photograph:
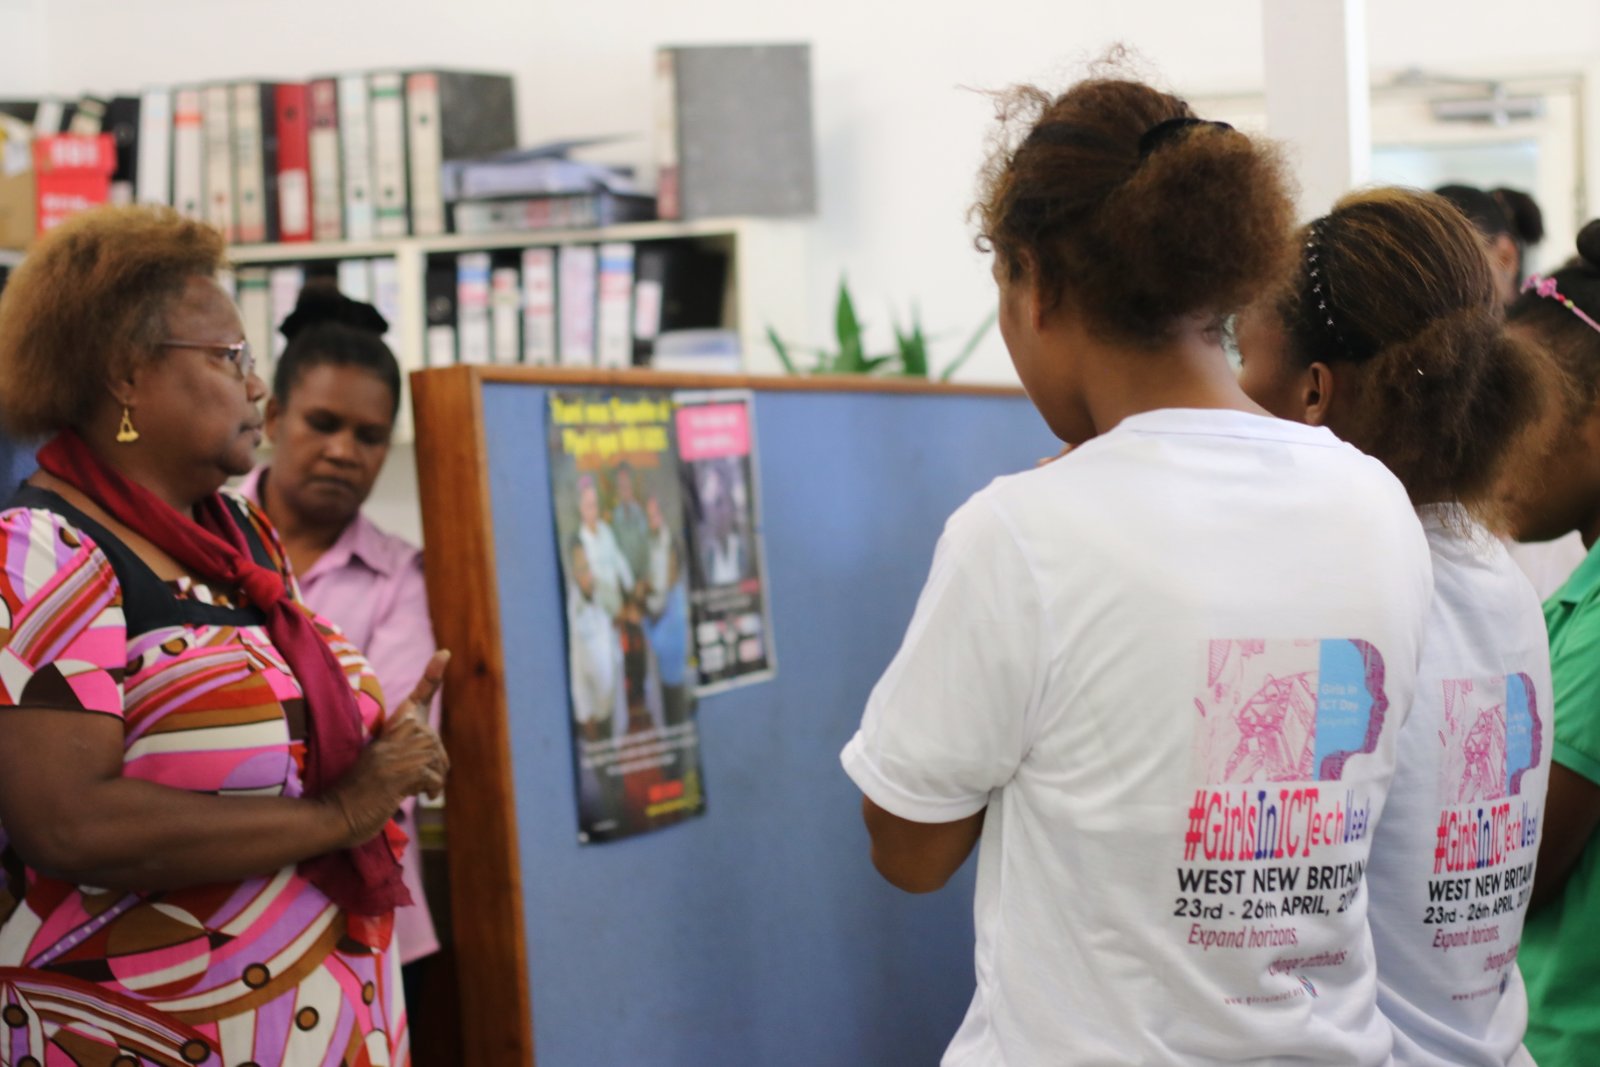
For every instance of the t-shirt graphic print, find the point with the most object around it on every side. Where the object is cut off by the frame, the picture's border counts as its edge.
(1288, 711)
(1276, 834)
(1483, 861)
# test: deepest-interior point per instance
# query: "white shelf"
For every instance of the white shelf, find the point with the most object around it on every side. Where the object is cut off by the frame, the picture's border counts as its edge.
(10, 257)
(460, 242)
(766, 280)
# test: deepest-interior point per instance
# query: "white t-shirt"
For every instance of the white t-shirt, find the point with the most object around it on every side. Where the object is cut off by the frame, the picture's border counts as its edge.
(1193, 637)
(1548, 564)
(1452, 861)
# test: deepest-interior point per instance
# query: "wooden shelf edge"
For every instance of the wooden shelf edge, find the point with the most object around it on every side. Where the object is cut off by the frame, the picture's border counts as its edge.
(251, 255)
(644, 378)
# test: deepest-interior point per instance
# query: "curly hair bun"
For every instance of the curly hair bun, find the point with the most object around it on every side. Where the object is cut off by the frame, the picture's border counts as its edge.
(1589, 243)
(1522, 215)
(321, 304)
(1136, 230)
(1201, 225)
(1453, 406)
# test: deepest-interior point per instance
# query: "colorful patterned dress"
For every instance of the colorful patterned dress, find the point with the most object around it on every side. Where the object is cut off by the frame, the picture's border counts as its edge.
(260, 972)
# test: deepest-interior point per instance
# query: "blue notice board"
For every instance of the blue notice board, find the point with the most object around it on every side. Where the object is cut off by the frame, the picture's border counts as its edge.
(757, 934)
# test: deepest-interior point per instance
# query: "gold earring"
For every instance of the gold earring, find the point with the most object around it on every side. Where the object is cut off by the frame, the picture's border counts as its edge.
(126, 434)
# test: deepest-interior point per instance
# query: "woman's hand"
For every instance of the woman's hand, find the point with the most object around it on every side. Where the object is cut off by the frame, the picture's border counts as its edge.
(406, 758)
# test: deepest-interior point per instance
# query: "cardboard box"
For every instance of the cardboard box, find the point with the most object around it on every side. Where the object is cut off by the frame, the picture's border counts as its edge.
(18, 221)
(53, 178)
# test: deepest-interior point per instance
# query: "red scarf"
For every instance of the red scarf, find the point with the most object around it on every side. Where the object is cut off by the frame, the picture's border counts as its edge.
(364, 880)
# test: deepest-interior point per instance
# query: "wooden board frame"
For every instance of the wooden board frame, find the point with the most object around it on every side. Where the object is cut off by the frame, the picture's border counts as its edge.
(481, 819)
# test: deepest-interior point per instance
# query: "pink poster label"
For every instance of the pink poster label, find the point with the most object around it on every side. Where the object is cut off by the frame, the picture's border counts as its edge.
(713, 431)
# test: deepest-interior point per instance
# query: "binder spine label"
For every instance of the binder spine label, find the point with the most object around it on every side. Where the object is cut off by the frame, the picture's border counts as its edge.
(188, 159)
(426, 154)
(327, 182)
(218, 149)
(538, 306)
(355, 143)
(247, 165)
(389, 155)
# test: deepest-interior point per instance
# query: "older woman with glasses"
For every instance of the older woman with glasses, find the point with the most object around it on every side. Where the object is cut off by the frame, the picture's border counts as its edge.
(195, 794)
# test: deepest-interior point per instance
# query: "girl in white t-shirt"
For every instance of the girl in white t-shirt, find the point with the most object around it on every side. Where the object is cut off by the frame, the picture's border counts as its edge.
(1159, 682)
(1386, 331)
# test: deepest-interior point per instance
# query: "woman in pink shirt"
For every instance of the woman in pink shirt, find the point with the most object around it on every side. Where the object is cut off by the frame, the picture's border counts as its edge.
(335, 393)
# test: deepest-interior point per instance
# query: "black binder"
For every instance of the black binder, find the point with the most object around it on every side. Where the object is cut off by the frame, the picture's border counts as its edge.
(692, 280)
(122, 123)
(439, 291)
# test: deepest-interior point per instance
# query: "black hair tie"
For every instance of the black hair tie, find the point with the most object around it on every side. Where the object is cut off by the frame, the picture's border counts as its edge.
(1164, 131)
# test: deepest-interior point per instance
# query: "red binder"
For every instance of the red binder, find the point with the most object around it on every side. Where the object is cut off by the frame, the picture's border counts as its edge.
(294, 162)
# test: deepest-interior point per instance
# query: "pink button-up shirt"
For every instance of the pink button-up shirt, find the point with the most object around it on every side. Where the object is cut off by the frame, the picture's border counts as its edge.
(370, 584)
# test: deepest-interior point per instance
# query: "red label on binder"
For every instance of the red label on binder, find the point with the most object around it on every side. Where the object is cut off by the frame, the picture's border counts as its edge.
(294, 162)
(72, 172)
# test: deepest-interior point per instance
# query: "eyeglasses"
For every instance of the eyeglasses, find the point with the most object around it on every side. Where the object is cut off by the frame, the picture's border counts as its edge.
(238, 353)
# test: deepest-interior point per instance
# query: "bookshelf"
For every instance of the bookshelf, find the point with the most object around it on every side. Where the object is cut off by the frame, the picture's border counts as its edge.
(765, 282)
(766, 278)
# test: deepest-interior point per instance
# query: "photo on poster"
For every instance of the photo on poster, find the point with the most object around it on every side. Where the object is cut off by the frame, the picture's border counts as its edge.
(730, 614)
(619, 523)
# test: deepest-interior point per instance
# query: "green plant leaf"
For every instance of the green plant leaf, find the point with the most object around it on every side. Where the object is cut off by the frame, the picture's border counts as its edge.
(874, 362)
(782, 350)
(913, 348)
(971, 346)
(852, 356)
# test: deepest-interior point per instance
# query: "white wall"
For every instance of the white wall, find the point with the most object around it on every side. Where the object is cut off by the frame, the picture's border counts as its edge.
(1473, 33)
(24, 48)
(899, 135)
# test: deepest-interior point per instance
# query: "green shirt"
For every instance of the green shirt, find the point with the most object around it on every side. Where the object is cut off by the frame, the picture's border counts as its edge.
(1560, 953)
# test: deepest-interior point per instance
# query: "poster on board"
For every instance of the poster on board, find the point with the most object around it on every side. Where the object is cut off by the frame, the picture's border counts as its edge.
(729, 610)
(619, 521)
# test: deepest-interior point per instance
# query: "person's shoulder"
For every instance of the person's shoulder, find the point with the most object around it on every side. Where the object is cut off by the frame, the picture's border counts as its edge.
(43, 527)
(991, 514)
(1016, 496)
(38, 543)
(382, 550)
(1365, 480)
